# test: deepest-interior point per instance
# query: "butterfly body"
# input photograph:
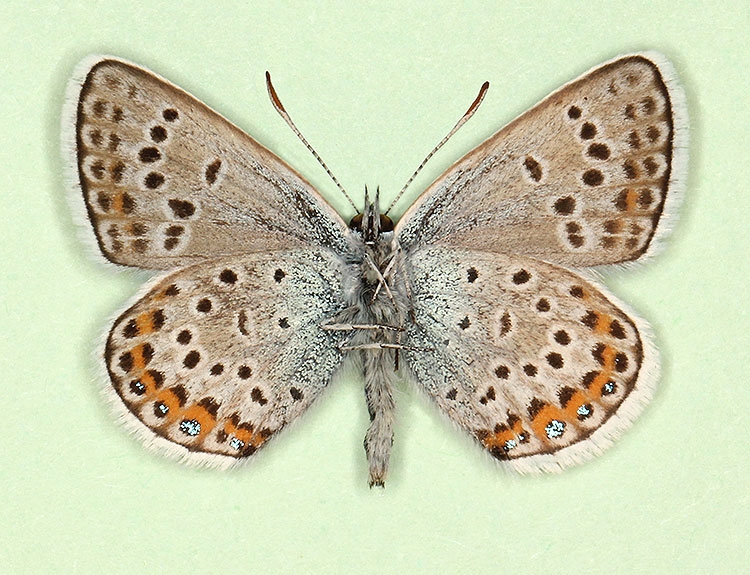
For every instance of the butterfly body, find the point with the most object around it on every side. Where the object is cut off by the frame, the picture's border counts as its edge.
(378, 308)
(479, 294)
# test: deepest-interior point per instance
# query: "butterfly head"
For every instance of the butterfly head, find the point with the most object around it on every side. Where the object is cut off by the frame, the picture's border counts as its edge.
(370, 223)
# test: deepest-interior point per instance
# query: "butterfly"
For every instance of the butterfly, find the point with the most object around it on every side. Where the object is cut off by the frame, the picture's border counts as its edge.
(481, 294)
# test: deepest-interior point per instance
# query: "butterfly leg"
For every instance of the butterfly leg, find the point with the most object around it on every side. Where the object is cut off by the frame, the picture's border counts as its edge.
(381, 281)
(354, 326)
(378, 345)
(385, 274)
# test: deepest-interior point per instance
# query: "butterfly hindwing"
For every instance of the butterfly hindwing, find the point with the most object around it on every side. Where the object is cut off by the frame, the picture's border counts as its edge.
(533, 360)
(168, 182)
(582, 179)
(219, 356)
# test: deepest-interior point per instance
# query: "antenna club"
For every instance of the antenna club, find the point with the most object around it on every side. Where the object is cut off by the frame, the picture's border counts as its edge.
(272, 93)
(479, 98)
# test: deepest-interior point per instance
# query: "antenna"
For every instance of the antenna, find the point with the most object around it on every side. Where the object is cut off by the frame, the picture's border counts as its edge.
(465, 118)
(287, 118)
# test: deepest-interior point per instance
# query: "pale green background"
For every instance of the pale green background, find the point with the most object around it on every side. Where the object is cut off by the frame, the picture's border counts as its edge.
(373, 85)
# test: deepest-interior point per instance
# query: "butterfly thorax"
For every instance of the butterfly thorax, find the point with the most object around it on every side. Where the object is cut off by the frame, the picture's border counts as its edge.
(378, 292)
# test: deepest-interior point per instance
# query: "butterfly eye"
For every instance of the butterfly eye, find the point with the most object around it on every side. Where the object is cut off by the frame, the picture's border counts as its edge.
(386, 223)
(356, 222)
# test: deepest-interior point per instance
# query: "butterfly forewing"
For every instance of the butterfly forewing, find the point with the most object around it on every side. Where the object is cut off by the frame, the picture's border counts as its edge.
(581, 179)
(530, 358)
(221, 355)
(166, 179)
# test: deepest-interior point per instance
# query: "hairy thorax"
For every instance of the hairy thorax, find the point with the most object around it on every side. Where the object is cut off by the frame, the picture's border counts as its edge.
(376, 291)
